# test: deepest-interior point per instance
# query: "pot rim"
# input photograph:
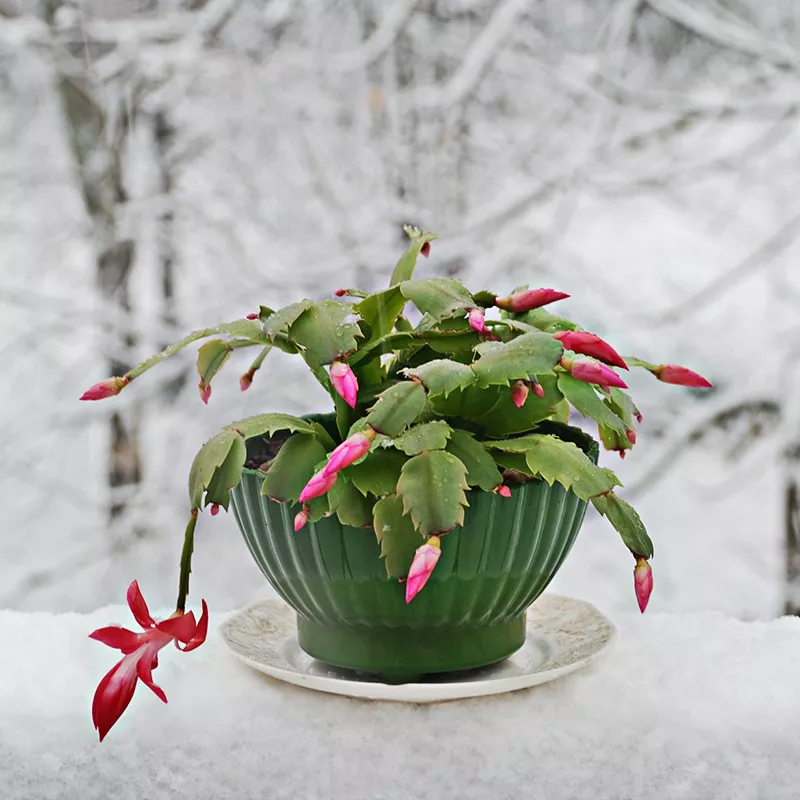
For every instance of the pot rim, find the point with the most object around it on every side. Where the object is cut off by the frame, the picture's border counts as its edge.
(585, 441)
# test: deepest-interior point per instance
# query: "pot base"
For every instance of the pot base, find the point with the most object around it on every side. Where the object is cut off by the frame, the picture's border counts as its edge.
(404, 655)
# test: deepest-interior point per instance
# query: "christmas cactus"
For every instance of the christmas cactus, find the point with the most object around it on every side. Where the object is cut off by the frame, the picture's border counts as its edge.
(470, 398)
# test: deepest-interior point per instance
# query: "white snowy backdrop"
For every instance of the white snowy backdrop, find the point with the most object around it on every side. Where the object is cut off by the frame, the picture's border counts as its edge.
(168, 164)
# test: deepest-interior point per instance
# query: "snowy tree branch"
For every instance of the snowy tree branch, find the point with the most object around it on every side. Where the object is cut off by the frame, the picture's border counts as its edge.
(762, 256)
(693, 426)
(476, 62)
(381, 40)
(719, 26)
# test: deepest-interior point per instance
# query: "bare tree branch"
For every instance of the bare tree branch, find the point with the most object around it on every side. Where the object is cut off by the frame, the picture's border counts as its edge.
(719, 26)
(761, 257)
(693, 426)
(381, 40)
(476, 62)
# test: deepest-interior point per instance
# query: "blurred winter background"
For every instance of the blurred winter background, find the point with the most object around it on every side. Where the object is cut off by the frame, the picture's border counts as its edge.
(169, 164)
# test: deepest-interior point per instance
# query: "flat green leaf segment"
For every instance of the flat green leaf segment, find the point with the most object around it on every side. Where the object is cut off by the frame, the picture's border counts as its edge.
(443, 376)
(438, 297)
(501, 362)
(481, 468)
(269, 424)
(427, 436)
(627, 522)
(613, 439)
(242, 328)
(326, 331)
(293, 467)
(584, 397)
(227, 475)
(397, 536)
(381, 310)
(405, 266)
(545, 321)
(397, 407)
(281, 320)
(378, 473)
(352, 507)
(492, 408)
(622, 405)
(211, 457)
(433, 486)
(555, 460)
(211, 357)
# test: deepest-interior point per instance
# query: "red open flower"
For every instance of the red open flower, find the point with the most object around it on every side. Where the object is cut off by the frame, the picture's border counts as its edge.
(140, 658)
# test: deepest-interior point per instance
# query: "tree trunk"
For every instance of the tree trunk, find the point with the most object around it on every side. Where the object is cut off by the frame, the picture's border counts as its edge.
(792, 538)
(97, 146)
(163, 144)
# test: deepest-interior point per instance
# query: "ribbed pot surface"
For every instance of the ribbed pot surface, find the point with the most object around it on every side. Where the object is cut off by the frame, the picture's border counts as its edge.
(470, 613)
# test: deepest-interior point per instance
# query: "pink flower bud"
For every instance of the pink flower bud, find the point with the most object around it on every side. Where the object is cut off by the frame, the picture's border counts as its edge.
(205, 391)
(529, 299)
(623, 454)
(214, 509)
(590, 345)
(246, 380)
(503, 490)
(519, 393)
(340, 292)
(477, 320)
(344, 382)
(639, 417)
(254, 315)
(538, 389)
(320, 484)
(631, 434)
(421, 567)
(301, 519)
(350, 451)
(583, 369)
(681, 376)
(643, 582)
(106, 388)
(425, 250)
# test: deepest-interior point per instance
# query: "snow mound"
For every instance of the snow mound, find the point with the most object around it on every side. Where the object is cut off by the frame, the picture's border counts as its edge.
(680, 706)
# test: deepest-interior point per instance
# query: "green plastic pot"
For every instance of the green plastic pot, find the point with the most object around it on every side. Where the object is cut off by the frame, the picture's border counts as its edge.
(472, 610)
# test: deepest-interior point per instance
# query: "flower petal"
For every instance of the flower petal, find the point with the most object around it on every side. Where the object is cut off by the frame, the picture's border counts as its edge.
(182, 627)
(144, 669)
(138, 606)
(201, 631)
(114, 694)
(117, 637)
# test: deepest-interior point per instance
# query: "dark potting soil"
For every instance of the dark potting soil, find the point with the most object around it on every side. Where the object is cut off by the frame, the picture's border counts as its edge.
(261, 452)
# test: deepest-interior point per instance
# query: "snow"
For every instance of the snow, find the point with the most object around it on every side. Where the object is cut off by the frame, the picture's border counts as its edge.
(681, 706)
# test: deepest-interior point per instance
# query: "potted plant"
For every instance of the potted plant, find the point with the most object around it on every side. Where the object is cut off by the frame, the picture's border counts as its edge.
(413, 525)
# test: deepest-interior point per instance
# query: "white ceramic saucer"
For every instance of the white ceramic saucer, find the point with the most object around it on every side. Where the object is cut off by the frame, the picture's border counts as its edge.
(563, 635)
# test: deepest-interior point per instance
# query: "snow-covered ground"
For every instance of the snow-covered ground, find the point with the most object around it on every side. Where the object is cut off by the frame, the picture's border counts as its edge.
(681, 706)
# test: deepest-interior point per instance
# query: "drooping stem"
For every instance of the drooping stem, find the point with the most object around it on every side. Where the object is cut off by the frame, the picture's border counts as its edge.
(186, 561)
(170, 351)
(792, 544)
(259, 360)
